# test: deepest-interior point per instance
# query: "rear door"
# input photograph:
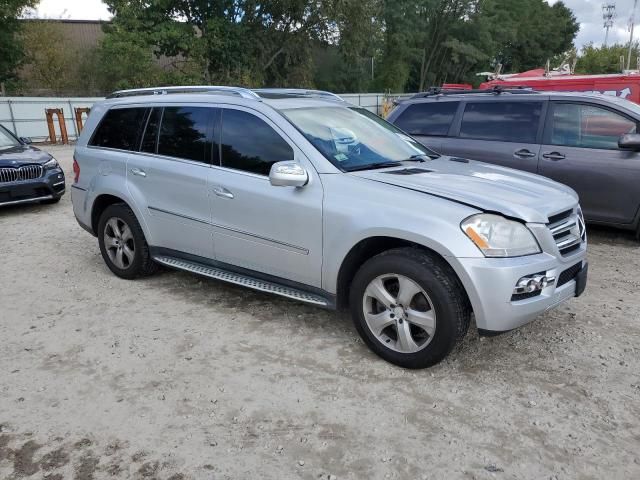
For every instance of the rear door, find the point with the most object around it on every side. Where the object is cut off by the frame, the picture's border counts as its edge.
(581, 150)
(427, 122)
(168, 178)
(501, 132)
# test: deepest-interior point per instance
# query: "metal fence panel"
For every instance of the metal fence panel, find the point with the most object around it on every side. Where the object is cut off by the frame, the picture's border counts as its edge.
(25, 116)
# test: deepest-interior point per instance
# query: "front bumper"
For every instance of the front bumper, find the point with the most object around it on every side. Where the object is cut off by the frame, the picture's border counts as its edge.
(49, 186)
(490, 283)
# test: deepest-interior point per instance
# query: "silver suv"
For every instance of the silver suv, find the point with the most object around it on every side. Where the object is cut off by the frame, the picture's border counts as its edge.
(299, 194)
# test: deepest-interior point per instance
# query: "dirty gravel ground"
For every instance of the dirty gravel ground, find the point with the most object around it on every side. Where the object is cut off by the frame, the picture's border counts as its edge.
(177, 377)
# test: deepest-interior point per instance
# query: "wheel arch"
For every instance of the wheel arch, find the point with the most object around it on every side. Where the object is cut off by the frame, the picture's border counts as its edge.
(100, 204)
(370, 247)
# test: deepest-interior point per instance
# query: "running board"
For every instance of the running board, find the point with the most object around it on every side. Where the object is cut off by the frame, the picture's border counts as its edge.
(242, 280)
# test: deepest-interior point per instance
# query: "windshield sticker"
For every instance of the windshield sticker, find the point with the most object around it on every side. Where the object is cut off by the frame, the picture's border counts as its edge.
(341, 157)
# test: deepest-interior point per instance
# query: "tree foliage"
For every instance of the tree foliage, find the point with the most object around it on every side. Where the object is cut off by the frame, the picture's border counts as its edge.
(49, 60)
(340, 45)
(606, 59)
(11, 51)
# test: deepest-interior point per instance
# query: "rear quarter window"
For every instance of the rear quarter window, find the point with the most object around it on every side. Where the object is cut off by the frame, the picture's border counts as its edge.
(120, 129)
(427, 118)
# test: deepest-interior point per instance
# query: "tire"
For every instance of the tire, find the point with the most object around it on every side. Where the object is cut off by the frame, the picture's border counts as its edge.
(422, 333)
(134, 260)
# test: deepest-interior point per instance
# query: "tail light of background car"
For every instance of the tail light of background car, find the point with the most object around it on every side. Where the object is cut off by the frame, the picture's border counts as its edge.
(76, 170)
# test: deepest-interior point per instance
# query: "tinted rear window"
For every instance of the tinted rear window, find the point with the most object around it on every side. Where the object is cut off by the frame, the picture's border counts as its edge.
(501, 121)
(427, 118)
(184, 133)
(120, 128)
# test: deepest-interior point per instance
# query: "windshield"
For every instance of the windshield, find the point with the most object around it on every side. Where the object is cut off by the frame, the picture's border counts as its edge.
(354, 138)
(6, 139)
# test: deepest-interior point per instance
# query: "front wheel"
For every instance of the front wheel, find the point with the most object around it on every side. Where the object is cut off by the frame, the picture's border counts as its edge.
(409, 307)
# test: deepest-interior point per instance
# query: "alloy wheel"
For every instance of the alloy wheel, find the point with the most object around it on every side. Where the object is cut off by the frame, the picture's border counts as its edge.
(399, 313)
(118, 243)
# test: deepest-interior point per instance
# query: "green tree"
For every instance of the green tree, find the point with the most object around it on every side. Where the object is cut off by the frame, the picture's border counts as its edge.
(526, 33)
(49, 59)
(11, 50)
(239, 41)
(605, 59)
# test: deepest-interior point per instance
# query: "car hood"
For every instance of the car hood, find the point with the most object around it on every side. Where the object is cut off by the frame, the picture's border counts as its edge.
(22, 155)
(491, 188)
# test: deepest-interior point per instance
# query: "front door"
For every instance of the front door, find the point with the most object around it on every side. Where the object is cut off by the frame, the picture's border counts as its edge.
(256, 226)
(581, 150)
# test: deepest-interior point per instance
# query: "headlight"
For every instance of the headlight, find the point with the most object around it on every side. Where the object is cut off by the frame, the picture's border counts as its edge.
(497, 236)
(53, 163)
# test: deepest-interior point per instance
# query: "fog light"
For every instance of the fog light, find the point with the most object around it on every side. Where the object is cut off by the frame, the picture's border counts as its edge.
(533, 283)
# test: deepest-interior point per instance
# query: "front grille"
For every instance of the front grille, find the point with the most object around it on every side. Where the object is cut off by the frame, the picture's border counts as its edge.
(560, 216)
(568, 231)
(26, 172)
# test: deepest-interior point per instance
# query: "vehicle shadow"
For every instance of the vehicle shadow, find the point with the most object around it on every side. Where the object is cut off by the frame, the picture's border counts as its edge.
(599, 235)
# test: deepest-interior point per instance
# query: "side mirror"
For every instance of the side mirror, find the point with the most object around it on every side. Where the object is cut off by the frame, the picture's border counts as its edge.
(629, 141)
(26, 140)
(288, 174)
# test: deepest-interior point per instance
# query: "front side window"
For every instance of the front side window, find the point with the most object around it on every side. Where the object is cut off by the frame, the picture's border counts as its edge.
(432, 118)
(353, 138)
(501, 121)
(250, 144)
(7, 140)
(588, 126)
(120, 129)
(184, 133)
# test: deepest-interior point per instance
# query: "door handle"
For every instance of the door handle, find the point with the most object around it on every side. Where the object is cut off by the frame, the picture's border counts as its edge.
(138, 172)
(222, 192)
(524, 153)
(554, 156)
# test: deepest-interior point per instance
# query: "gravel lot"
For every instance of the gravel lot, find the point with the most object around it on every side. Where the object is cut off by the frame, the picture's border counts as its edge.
(177, 377)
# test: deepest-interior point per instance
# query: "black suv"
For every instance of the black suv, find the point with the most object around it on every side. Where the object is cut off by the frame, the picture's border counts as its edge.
(27, 174)
(587, 141)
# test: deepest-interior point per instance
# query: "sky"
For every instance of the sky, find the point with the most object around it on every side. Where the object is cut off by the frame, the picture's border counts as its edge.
(588, 13)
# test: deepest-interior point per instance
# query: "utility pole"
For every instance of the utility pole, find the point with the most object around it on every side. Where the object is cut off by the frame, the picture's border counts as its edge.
(608, 14)
(632, 22)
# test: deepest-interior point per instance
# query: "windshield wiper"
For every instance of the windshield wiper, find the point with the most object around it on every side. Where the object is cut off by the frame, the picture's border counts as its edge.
(372, 166)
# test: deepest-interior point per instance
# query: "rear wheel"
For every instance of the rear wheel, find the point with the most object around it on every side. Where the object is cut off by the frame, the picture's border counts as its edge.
(409, 307)
(122, 243)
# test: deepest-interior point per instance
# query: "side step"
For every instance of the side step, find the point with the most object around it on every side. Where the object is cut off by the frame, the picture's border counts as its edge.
(243, 280)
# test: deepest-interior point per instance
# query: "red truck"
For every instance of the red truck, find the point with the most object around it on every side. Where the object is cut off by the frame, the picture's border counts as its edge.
(623, 85)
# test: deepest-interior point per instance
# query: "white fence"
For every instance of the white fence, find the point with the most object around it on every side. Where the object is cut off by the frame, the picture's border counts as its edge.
(25, 116)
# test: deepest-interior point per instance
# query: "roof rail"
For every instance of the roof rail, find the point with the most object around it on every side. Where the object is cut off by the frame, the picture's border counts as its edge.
(497, 90)
(239, 91)
(296, 92)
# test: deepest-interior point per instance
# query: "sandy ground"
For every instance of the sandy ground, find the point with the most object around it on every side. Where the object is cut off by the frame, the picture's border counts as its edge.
(176, 377)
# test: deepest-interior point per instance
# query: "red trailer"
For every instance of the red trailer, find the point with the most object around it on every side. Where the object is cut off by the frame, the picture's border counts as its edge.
(623, 85)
